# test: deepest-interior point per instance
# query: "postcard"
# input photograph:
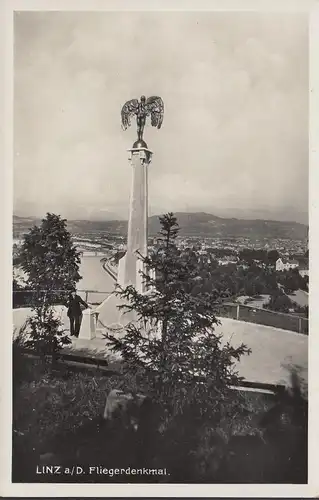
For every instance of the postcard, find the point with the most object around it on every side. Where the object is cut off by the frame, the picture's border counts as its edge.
(159, 333)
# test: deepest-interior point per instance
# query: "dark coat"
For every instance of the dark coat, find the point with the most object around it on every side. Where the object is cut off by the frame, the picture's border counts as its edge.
(74, 306)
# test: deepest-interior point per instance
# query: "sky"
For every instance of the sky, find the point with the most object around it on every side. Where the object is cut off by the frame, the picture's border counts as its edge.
(234, 140)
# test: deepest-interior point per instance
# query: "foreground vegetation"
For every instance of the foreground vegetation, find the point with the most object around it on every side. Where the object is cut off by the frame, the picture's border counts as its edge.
(195, 425)
(58, 415)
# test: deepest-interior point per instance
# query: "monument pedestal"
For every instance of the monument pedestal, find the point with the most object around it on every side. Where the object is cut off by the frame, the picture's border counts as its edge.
(88, 325)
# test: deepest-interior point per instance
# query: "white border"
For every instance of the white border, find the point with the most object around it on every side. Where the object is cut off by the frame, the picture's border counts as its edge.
(313, 247)
(87, 490)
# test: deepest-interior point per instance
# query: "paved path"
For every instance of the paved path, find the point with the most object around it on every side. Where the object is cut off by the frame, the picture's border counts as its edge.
(274, 351)
(109, 270)
(300, 297)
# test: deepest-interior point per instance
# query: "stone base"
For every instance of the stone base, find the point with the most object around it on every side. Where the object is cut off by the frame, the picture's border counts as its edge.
(109, 316)
(88, 325)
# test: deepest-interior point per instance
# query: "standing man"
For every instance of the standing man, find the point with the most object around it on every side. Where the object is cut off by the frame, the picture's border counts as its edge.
(75, 312)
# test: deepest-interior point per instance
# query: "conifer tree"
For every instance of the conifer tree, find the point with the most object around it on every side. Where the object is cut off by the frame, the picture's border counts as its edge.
(172, 344)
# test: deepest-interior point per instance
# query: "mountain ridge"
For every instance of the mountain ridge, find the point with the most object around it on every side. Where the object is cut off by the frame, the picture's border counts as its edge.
(191, 224)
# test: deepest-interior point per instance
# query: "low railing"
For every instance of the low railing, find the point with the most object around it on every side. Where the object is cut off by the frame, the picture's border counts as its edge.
(264, 317)
(24, 298)
(93, 297)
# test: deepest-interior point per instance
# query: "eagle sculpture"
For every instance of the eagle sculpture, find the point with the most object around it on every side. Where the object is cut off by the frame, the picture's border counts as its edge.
(153, 107)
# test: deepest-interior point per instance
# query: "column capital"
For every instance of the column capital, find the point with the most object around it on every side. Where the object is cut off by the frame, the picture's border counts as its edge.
(145, 154)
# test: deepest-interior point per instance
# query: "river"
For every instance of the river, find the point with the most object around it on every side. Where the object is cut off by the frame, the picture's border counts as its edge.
(94, 277)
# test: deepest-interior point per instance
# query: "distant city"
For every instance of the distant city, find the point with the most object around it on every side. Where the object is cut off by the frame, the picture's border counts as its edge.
(109, 237)
(243, 258)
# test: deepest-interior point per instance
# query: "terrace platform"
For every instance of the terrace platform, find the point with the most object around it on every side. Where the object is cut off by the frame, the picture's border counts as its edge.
(274, 351)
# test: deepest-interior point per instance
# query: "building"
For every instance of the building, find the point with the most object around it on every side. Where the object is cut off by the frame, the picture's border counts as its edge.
(227, 260)
(285, 264)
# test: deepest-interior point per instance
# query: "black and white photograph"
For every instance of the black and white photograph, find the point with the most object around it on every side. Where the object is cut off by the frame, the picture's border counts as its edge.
(160, 247)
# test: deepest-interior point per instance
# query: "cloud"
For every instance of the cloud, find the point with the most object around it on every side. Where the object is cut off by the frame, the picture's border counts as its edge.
(235, 130)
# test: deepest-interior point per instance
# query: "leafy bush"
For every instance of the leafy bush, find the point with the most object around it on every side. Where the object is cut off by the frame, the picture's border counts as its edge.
(279, 302)
(49, 257)
(51, 263)
(20, 366)
(291, 280)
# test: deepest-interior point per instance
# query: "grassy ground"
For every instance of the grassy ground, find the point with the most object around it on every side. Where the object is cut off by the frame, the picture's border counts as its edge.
(57, 420)
(58, 401)
(60, 412)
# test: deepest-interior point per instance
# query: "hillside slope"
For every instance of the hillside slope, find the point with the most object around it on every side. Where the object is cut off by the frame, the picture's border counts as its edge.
(191, 224)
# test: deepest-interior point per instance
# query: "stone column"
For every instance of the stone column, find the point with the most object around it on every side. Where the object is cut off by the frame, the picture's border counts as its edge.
(138, 219)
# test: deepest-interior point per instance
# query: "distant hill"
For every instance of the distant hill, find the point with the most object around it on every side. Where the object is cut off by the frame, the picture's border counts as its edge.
(191, 224)
(203, 224)
(22, 224)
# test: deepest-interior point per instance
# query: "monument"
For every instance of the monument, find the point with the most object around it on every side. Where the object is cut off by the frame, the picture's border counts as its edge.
(140, 157)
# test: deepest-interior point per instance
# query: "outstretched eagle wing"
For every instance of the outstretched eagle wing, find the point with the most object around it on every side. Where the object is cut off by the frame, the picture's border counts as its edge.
(155, 107)
(129, 109)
